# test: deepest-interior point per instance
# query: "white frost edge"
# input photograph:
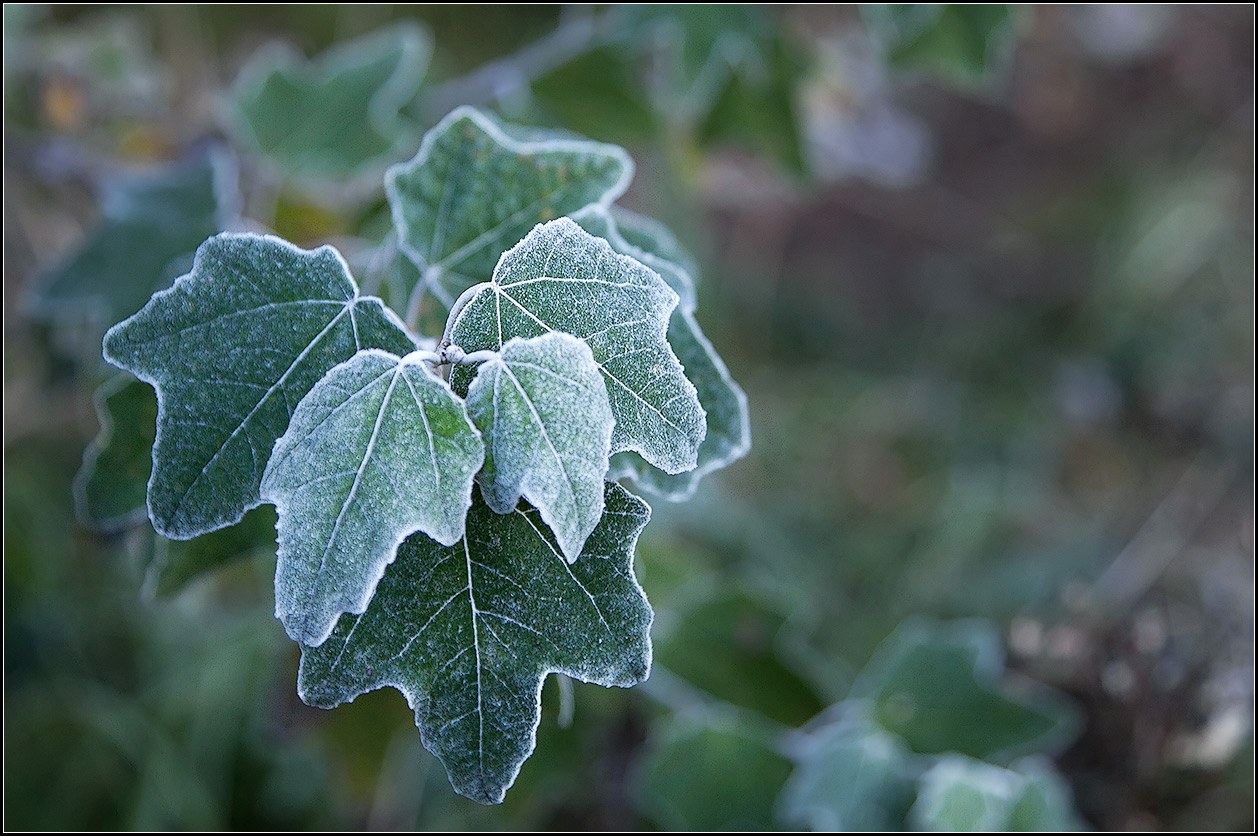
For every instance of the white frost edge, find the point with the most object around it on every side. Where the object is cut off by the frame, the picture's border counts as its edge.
(377, 568)
(853, 727)
(92, 452)
(283, 56)
(413, 698)
(186, 278)
(654, 228)
(740, 448)
(496, 134)
(520, 490)
(622, 246)
(996, 785)
(568, 226)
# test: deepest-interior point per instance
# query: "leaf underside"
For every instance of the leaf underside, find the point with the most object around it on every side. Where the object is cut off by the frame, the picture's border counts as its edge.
(231, 349)
(378, 449)
(472, 191)
(561, 278)
(547, 422)
(468, 633)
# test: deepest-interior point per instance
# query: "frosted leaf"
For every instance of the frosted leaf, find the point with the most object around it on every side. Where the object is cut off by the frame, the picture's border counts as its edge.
(472, 191)
(728, 436)
(561, 278)
(851, 776)
(598, 220)
(109, 487)
(149, 219)
(960, 794)
(548, 424)
(378, 449)
(337, 114)
(232, 348)
(469, 632)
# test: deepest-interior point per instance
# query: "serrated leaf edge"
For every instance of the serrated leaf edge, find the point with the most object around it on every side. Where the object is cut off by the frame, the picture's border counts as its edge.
(161, 401)
(495, 132)
(377, 569)
(413, 698)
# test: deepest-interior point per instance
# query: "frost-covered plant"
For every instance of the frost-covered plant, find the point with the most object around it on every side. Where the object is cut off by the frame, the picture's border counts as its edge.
(448, 519)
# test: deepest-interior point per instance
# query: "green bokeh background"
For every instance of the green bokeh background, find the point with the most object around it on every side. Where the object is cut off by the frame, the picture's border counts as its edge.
(999, 354)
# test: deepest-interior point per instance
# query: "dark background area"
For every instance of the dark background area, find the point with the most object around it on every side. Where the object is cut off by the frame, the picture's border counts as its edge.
(997, 338)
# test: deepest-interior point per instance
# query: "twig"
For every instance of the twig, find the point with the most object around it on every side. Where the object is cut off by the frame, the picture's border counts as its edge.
(498, 80)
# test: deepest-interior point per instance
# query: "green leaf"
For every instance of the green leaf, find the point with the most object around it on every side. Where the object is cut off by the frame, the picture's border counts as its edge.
(151, 222)
(962, 794)
(651, 236)
(941, 687)
(757, 112)
(109, 487)
(710, 776)
(728, 435)
(962, 43)
(851, 776)
(231, 349)
(378, 449)
(336, 115)
(1045, 803)
(170, 565)
(731, 648)
(560, 278)
(473, 191)
(655, 246)
(548, 423)
(468, 633)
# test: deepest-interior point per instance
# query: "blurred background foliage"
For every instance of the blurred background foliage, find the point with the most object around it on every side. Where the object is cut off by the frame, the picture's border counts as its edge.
(986, 275)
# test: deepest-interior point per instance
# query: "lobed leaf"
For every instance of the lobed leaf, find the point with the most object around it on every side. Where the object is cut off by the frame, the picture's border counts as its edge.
(231, 349)
(337, 114)
(561, 278)
(473, 190)
(378, 449)
(728, 435)
(851, 775)
(468, 633)
(600, 221)
(961, 794)
(939, 686)
(547, 421)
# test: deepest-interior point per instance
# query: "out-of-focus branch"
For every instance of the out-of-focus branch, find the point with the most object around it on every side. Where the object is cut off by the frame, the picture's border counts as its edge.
(579, 31)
